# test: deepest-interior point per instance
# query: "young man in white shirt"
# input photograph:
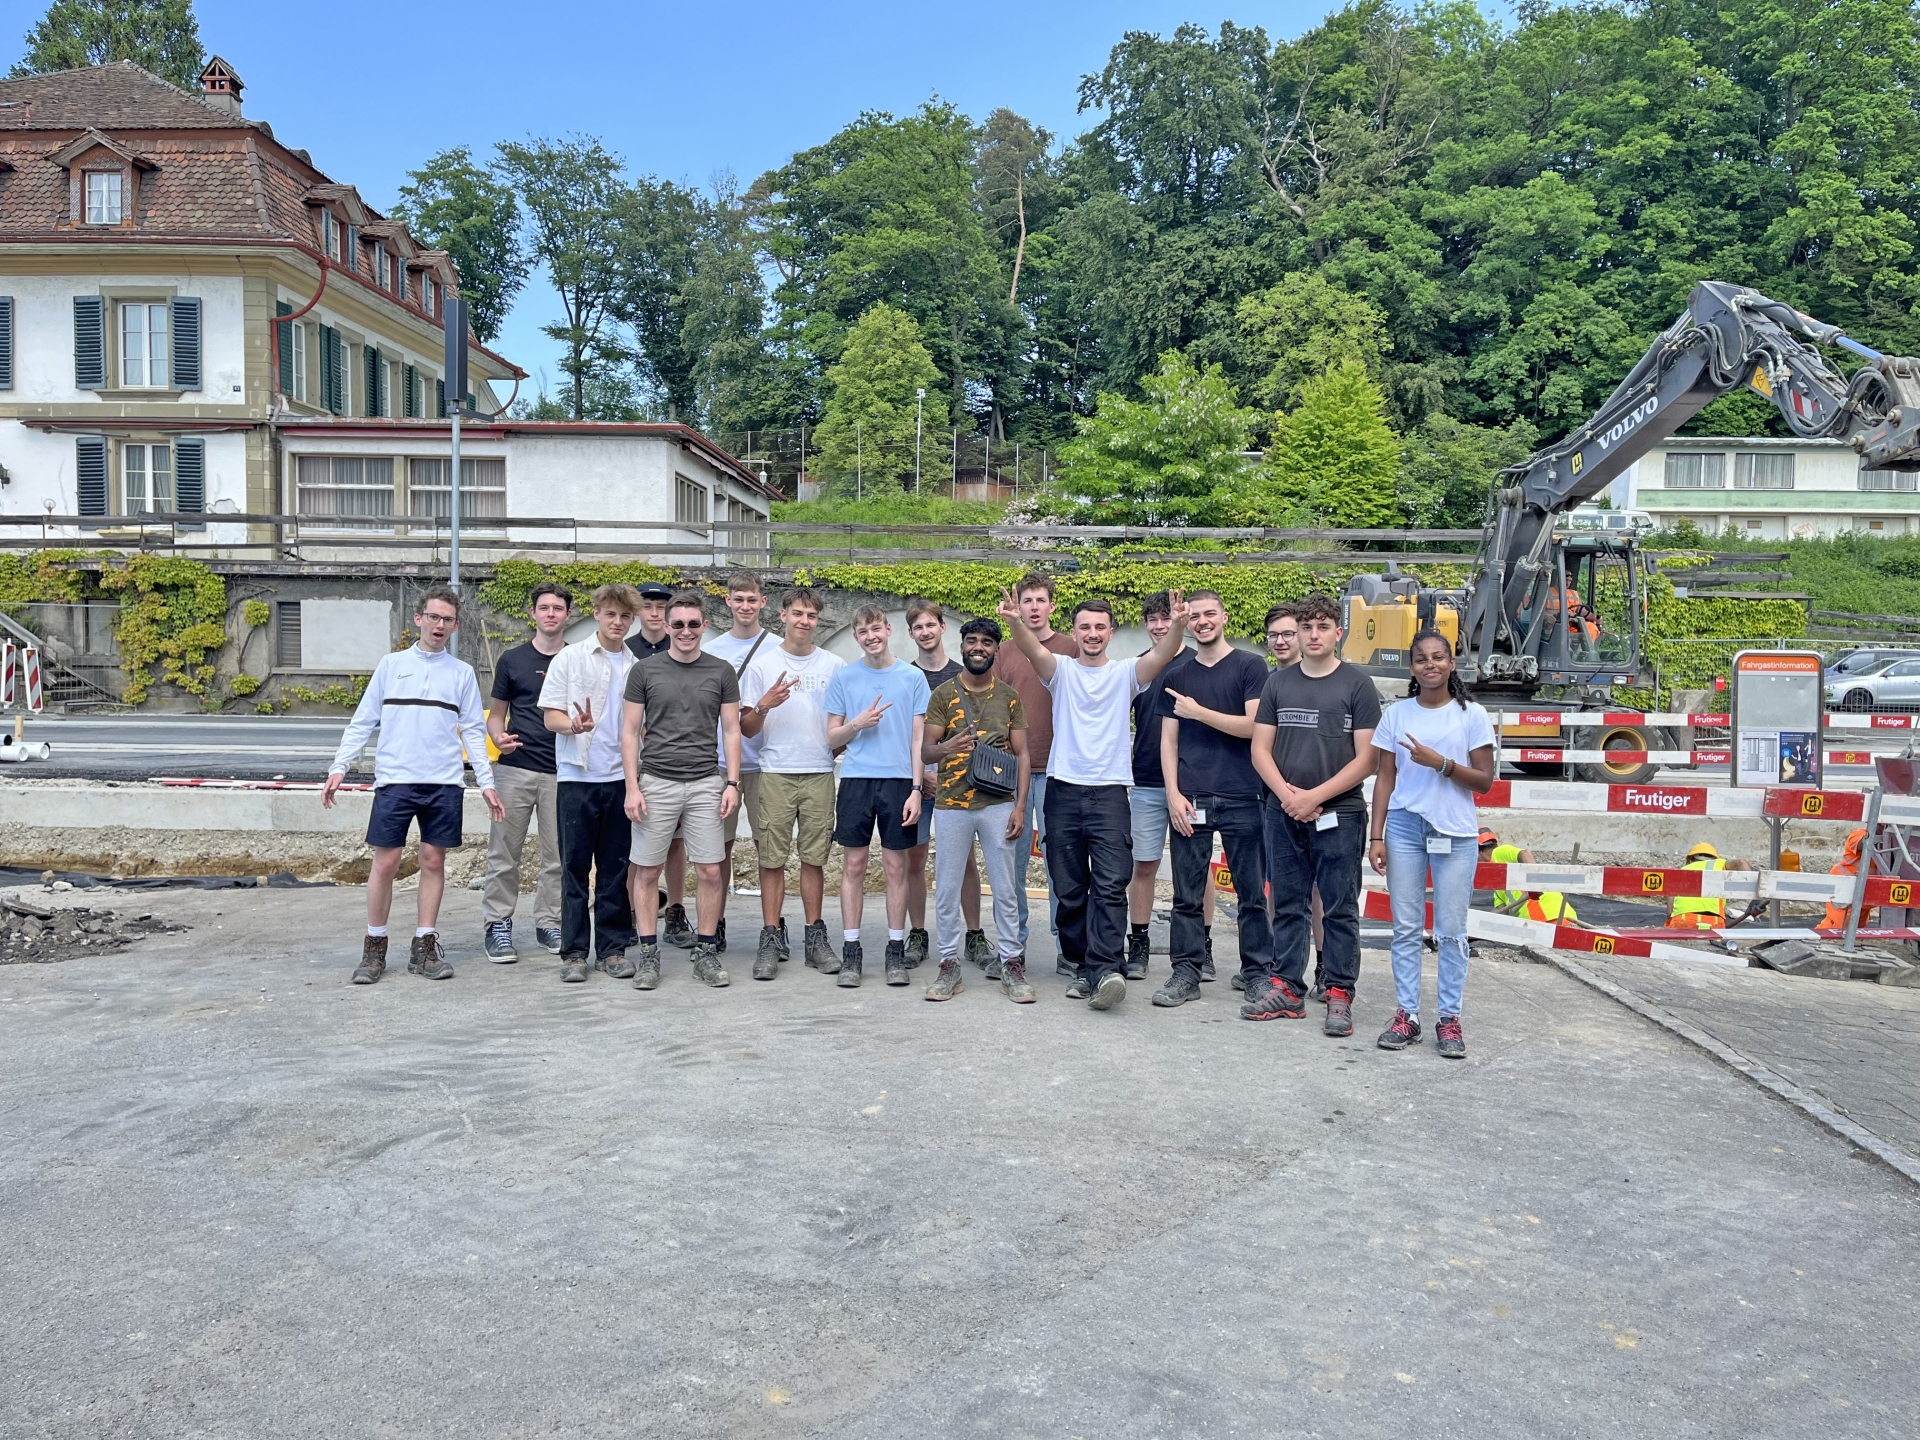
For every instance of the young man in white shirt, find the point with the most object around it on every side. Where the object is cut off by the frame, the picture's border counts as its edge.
(744, 639)
(878, 710)
(426, 705)
(1088, 821)
(582, 701)
(783, 699)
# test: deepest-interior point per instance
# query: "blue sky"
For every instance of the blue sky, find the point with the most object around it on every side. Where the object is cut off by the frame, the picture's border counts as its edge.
(680, 91)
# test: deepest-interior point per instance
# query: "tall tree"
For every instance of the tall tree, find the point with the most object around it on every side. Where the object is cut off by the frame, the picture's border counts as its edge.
(1015, 187)
(738, 382)
(453, 204)
(660, 243)
(576, 207)
(874, 416)
(1334, 459)
(157, 35)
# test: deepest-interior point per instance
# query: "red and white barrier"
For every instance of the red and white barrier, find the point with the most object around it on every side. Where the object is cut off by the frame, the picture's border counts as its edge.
(1518, 930)
(6, 672)
(30, 673)
(1716, 802)
(196, 783)
(1667, 883)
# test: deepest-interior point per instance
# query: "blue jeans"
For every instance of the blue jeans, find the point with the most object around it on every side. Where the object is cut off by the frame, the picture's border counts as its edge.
(1035, 824)
(1408, 865)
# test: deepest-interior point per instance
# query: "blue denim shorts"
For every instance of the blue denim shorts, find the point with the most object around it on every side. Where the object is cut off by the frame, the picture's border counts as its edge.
(1150, 822)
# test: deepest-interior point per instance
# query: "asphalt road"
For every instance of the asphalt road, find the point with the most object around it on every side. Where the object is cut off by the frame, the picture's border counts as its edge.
(246, 1198)
(227, 747)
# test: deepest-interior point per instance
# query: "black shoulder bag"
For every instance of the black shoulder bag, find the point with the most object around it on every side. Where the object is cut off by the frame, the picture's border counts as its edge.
(990, 770)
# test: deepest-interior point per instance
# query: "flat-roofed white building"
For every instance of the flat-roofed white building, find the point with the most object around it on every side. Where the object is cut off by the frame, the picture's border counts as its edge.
(1769, 489)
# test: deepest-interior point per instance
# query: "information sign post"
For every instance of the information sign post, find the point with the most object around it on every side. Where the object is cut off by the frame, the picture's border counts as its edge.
(1779, 728)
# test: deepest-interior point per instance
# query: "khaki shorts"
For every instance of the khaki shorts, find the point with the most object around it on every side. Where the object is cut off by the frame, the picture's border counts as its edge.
(787, 801)
(690, 806)
(748, 806)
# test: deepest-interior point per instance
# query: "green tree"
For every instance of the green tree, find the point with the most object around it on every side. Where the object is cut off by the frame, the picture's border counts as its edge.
(660, 237)
(1173, 457)
(1334, 459)
(453, 204)
(1447, 467)
(737, 381)
(1303, 326)
(157, 35)
(576, 207)
(866, 437)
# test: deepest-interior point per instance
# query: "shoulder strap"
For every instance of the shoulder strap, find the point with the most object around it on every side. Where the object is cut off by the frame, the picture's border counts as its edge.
(740, 670)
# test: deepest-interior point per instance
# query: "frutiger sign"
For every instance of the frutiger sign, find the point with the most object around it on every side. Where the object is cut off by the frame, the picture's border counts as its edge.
(1660, 800)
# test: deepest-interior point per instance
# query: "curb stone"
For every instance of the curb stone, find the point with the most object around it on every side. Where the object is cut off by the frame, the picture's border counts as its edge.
(1809, 1104)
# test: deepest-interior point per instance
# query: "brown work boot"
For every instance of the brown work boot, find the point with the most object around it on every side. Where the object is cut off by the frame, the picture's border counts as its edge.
(427, 959)
(1014, 983)
(946, 984)
(373, 960)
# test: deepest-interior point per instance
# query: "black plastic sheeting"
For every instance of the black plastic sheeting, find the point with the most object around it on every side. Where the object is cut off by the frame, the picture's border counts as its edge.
(280, 880)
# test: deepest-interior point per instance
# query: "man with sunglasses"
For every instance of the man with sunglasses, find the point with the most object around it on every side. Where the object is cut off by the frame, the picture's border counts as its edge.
(680, 698)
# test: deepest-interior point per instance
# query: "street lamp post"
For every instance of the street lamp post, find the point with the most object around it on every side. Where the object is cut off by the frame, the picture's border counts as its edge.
(919, 414)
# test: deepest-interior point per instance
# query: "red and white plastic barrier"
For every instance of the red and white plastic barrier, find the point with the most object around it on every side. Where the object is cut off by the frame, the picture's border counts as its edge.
(201, 784)
(1518, 930)
(30, 674)
(1587, 719)
(1657, 757)
(6, 672)
(1713, 801)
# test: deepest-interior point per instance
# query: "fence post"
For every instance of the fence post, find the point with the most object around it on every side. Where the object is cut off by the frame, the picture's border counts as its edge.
(1866, 870)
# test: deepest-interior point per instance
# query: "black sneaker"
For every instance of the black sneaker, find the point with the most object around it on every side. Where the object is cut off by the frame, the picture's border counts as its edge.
(617, 965)
(897, 965)
(1276, 1001)
(675, 930)
(427, 960)
(547, 937)
(720, 935)
(820, 949)
(373, 960)
(979, 951)
(706, 965)
(1079, 989)
(1239, 980)
(646, 969)
(1066, 968)
(1339, 1011)
(1447, 1039)
(500, 942)
(917, 942)
(786, 951)
(574, 970)
(1206, 964)
(849, 966)
(766, 960)
(1179, 989)
(1404, 1031)
(1111, 990)
(1139, 947)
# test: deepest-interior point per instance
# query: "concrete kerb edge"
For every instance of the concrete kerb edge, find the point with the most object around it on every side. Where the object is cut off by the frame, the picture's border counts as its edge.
(1808, 1104)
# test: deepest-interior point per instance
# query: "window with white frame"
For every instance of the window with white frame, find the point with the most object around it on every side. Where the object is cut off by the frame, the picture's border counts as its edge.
(1763, 472)
(330, 234)
(106, 190)
(146, 479)
(1888, 480)
(483, 489)
(299, 361)
(354, 489)
(689, 501)
(143, 345)
(1696, 471)
(429, 295)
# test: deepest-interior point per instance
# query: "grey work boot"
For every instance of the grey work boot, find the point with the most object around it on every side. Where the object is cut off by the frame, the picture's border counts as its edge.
(1111, 990)
(574, 970)
(1181, 987)
(373, 960)
(850, 961)
(706, 965)
(1013, 981)
(819, 949)
(946, 984)
(426, 959)
(766, 960)
(646, 967)
(978, 951)
(674, 928)
(897, 963)
(617, 965)
(918, 943)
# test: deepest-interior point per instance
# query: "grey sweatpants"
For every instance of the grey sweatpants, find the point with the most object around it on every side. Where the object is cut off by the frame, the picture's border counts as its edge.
(526, 794)
(953, 836)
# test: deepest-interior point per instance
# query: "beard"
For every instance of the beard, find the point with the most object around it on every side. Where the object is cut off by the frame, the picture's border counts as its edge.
(977, 664)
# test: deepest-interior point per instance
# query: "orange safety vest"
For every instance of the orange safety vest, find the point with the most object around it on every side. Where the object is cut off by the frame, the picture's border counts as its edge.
(1837, 915)
(1550, 905)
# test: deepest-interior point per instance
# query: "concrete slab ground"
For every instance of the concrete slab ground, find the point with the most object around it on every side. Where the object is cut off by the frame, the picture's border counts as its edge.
(243, 1198)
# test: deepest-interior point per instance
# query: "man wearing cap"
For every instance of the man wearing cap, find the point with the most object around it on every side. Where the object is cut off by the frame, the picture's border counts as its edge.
(649, 637)
(1492, 852)
(1837, 914)
(1702, 912)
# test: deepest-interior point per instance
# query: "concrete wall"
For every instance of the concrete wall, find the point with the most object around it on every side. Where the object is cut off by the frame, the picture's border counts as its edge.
(344, 634)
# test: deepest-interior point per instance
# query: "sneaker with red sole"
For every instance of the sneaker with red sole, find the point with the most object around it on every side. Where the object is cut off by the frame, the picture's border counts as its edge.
(1448, 1040)
(1276, 1001)
(1339, 1011)
(1404, 1031)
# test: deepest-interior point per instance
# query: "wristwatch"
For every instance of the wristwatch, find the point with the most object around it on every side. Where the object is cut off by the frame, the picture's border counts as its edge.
(734, 783)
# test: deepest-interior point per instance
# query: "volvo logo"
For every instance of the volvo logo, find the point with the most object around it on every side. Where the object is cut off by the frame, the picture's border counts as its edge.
(1630, 421)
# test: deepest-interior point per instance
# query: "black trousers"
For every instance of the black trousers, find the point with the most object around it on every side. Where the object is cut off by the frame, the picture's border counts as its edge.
(595, 835)
(1299, 858)
(1240, 821)
(1089, 861)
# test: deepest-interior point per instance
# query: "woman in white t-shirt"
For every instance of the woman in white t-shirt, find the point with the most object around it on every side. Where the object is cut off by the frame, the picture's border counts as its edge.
(1437, 753)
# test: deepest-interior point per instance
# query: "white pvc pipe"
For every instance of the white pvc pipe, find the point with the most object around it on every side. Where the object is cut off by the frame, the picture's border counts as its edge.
(18, 752)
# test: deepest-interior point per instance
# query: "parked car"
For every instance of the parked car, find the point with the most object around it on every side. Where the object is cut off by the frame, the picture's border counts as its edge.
(1893, 684)
(1868, 660)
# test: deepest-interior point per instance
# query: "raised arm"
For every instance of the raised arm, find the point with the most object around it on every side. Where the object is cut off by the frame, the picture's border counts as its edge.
(1162, 655)
(1042, 659)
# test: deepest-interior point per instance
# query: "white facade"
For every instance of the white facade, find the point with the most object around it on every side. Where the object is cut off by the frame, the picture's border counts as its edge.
(1768, 489)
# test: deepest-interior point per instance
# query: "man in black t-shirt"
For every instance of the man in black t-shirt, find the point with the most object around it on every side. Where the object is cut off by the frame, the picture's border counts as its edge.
(1312, 744)
(1205, 720)
(524, 776)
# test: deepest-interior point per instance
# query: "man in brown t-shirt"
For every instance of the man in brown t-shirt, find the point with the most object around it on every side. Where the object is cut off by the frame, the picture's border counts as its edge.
(1035, 596)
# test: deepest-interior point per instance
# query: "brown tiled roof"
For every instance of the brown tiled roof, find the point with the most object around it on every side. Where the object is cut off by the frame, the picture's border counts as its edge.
(109, 97)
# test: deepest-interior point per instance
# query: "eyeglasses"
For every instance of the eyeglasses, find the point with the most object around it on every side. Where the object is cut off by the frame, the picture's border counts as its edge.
(431, 619)
(1276, 635)
(686, 625)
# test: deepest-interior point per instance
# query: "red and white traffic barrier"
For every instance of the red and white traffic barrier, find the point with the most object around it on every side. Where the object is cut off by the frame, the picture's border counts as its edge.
(30, 672)
(1579, 719)
(197, 783)
(1716, 802)
(1657, 757)
(1518, 930)
(6, 672)
(1666, 883)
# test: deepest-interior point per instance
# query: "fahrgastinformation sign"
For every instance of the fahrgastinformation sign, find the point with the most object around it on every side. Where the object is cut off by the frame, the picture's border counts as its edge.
(1778, 718)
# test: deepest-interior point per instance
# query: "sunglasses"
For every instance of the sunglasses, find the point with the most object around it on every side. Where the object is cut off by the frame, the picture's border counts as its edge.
(686, 625)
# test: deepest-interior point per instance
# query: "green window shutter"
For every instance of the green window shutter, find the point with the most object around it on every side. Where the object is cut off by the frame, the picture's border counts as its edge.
(89, 344)
(408, 399)
(331, 362)
(440, 399)
(183, 314)
(283, 329)
(190, 478)
(90, 473)
(370, 404)
(6, 342)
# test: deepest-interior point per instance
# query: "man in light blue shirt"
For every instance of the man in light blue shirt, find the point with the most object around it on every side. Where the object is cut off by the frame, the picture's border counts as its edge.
(878, 710)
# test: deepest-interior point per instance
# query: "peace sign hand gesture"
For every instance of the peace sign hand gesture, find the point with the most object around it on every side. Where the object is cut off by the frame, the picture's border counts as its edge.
(870, 717)
(777, 692)
(583, 717)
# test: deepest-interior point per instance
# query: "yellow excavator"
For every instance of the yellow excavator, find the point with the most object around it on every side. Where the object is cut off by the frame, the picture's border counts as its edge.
(1527, 626)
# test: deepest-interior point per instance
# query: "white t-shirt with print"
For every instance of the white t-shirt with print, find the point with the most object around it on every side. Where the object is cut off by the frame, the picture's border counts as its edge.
(1455, 733)
(1092, 715)
(793, 739)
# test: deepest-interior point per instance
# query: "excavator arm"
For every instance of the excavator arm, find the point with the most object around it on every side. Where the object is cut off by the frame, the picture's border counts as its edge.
(1728, 337)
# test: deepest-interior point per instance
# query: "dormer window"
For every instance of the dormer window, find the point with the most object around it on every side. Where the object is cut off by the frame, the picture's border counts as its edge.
(330, 234)
(429, 295)
(106, 192)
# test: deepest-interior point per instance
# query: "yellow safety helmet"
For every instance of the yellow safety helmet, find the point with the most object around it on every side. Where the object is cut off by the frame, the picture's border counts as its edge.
(1703, 848)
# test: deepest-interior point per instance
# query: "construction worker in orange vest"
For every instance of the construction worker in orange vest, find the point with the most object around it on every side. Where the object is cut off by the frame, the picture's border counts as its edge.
(1702, 912)
(1549, 905)
(1837, 915)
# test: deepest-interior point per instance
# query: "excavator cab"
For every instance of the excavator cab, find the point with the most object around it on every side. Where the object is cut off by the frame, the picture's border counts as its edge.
(1380, 615)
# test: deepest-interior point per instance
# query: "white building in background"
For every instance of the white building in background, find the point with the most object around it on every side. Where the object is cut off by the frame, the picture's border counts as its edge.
(1767, 489)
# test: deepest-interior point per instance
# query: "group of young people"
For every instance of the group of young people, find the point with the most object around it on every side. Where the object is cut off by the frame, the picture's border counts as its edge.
(637, 753)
